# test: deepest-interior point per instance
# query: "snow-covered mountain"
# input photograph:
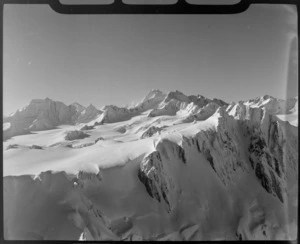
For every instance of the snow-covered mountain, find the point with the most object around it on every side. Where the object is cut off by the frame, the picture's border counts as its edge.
(45, 114)
(39, 114)
(172, 167)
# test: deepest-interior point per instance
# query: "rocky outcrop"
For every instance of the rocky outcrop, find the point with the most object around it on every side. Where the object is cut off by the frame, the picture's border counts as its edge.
(87, 127)
(99, 139)
(156, 174)
(150, 132)
(270, 149)
(36, 147)
(152, 174)
(268, 165)
(220, 147)
(170, 150)
(248, 131)
(75, 135)
(267, 147)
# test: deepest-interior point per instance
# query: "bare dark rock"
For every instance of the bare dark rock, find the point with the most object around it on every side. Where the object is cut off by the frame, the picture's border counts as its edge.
(276, 186)
(75, 135)
(251, 162)
(150, 132)
(209, 158)
(181, 154)
(99, 139)
(263, 177)
(151, 173)
(148, 183)
(87, 127)
(36, 147)
(198, 147)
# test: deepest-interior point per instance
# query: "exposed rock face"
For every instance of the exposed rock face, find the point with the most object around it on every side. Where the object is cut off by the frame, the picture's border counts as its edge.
(267, 153)
(267, 143)
(87, 127)
(83, 145)
(156, 174)
(99, 139)
(36, 147)
(252, 132)
(75, 135)
(150, 132)
(170, 150)
(152, 174)
(221, 148)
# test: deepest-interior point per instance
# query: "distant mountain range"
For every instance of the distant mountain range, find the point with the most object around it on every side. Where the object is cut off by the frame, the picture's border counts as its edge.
(44, 114)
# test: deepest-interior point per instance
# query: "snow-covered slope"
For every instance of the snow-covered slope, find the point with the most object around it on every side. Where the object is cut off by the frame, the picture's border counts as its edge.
(292, 115)
(173, 167)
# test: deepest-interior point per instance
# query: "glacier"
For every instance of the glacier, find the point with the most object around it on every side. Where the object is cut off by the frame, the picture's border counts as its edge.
(171, 167)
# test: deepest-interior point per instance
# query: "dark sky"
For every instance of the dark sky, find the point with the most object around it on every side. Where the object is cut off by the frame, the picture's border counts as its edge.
(117, 59)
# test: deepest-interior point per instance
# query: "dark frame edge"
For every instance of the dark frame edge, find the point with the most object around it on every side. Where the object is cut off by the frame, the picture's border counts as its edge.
(118, 7)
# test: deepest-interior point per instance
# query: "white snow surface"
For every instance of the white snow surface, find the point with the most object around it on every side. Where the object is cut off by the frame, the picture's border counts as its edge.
(191, 180)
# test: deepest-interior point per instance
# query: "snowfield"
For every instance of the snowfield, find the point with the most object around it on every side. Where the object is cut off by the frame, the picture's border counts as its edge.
(172, 167)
